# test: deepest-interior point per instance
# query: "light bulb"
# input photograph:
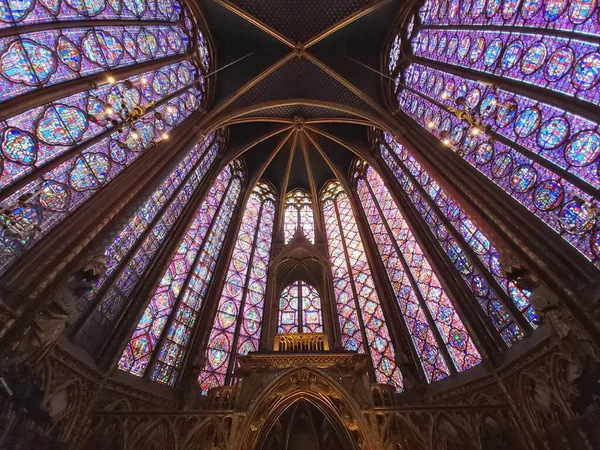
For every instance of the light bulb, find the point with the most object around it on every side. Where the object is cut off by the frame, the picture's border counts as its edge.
(134, 135)
(111, 80)
(494, 101)
(165, 136)
(108, 111)
(475, 131)
(144, 80)
(444, 96)
(446, 141)
(170, 109)
(430, 124)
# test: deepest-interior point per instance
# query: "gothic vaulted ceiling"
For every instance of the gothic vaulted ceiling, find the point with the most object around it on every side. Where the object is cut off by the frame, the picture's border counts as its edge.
(308, 65)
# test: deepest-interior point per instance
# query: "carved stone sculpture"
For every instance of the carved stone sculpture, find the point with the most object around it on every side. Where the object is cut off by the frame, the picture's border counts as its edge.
(59, 313)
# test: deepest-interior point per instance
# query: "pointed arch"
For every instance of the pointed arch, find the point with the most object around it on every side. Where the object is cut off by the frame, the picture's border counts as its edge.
(66, 123)
(179, 297)
(321, 390)
(300, 309)
(362, 322)
(299, 215)
(238, 322)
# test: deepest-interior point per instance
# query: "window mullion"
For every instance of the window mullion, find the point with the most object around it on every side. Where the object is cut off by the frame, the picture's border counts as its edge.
(418, 294)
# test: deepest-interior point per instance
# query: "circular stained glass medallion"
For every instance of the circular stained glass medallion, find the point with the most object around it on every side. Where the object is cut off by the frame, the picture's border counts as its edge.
(25, 61)
(583, 149)
(534, 58)
(137, 7)
(548, 195)
(458, 257)
(452, 46)
(493, 6)
(477, 49)
(117, 153)
(102, 48)
(587, 72)
(68, 53)
(581, 10)
(54, 196)
(477, 8)
(553, 9)
(147, 43)
(512, 54)
(87, 7)
(479, 286)
(463, 47)
(575, 218)
(62, 125)
(493, 52)
(227, 314)
(488, 105)
(553, 133)
(442, 45)
(473, 97)
(19, 146)
(458, 134)
(89, 171)
(509, 8)
(453, 9)
(527, 122)
(530, 8)
(485, 153)
(502, 165)
(523, 178)
(506, 113)
(423, 42)
(559, 64)
(15, 10)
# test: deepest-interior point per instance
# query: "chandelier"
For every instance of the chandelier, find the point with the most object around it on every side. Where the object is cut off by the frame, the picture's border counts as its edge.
(18, 221)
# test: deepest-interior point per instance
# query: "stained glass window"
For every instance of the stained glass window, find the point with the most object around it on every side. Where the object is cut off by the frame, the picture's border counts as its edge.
(133, 249)
(300, 309)
(55, 154)
(474, 256)
(299, 215)
(362, 323)
(423, 301)
(524, 81)
(179, 296)
(237, 326)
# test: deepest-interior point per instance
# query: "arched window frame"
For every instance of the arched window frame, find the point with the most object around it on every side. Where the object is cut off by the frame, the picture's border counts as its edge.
(63, 174)
(238, 323)
(299, 215)
(441, 340)
(299, 311)
(138, 242)
(164, 331)
(541, 147)
(362, 321)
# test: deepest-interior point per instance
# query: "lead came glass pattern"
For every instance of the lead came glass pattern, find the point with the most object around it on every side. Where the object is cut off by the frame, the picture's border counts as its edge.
(114, 300)
(222, 196)
(299, 215)
(237, 325)
(357, 301)
(300, 309)
(63, 189)
(45, 58)
(410, 173)
(25, 12)
(541, 153)
(383, 214)
(69, 148)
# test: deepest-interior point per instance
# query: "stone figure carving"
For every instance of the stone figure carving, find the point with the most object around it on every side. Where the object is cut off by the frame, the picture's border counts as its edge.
(59, 313)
